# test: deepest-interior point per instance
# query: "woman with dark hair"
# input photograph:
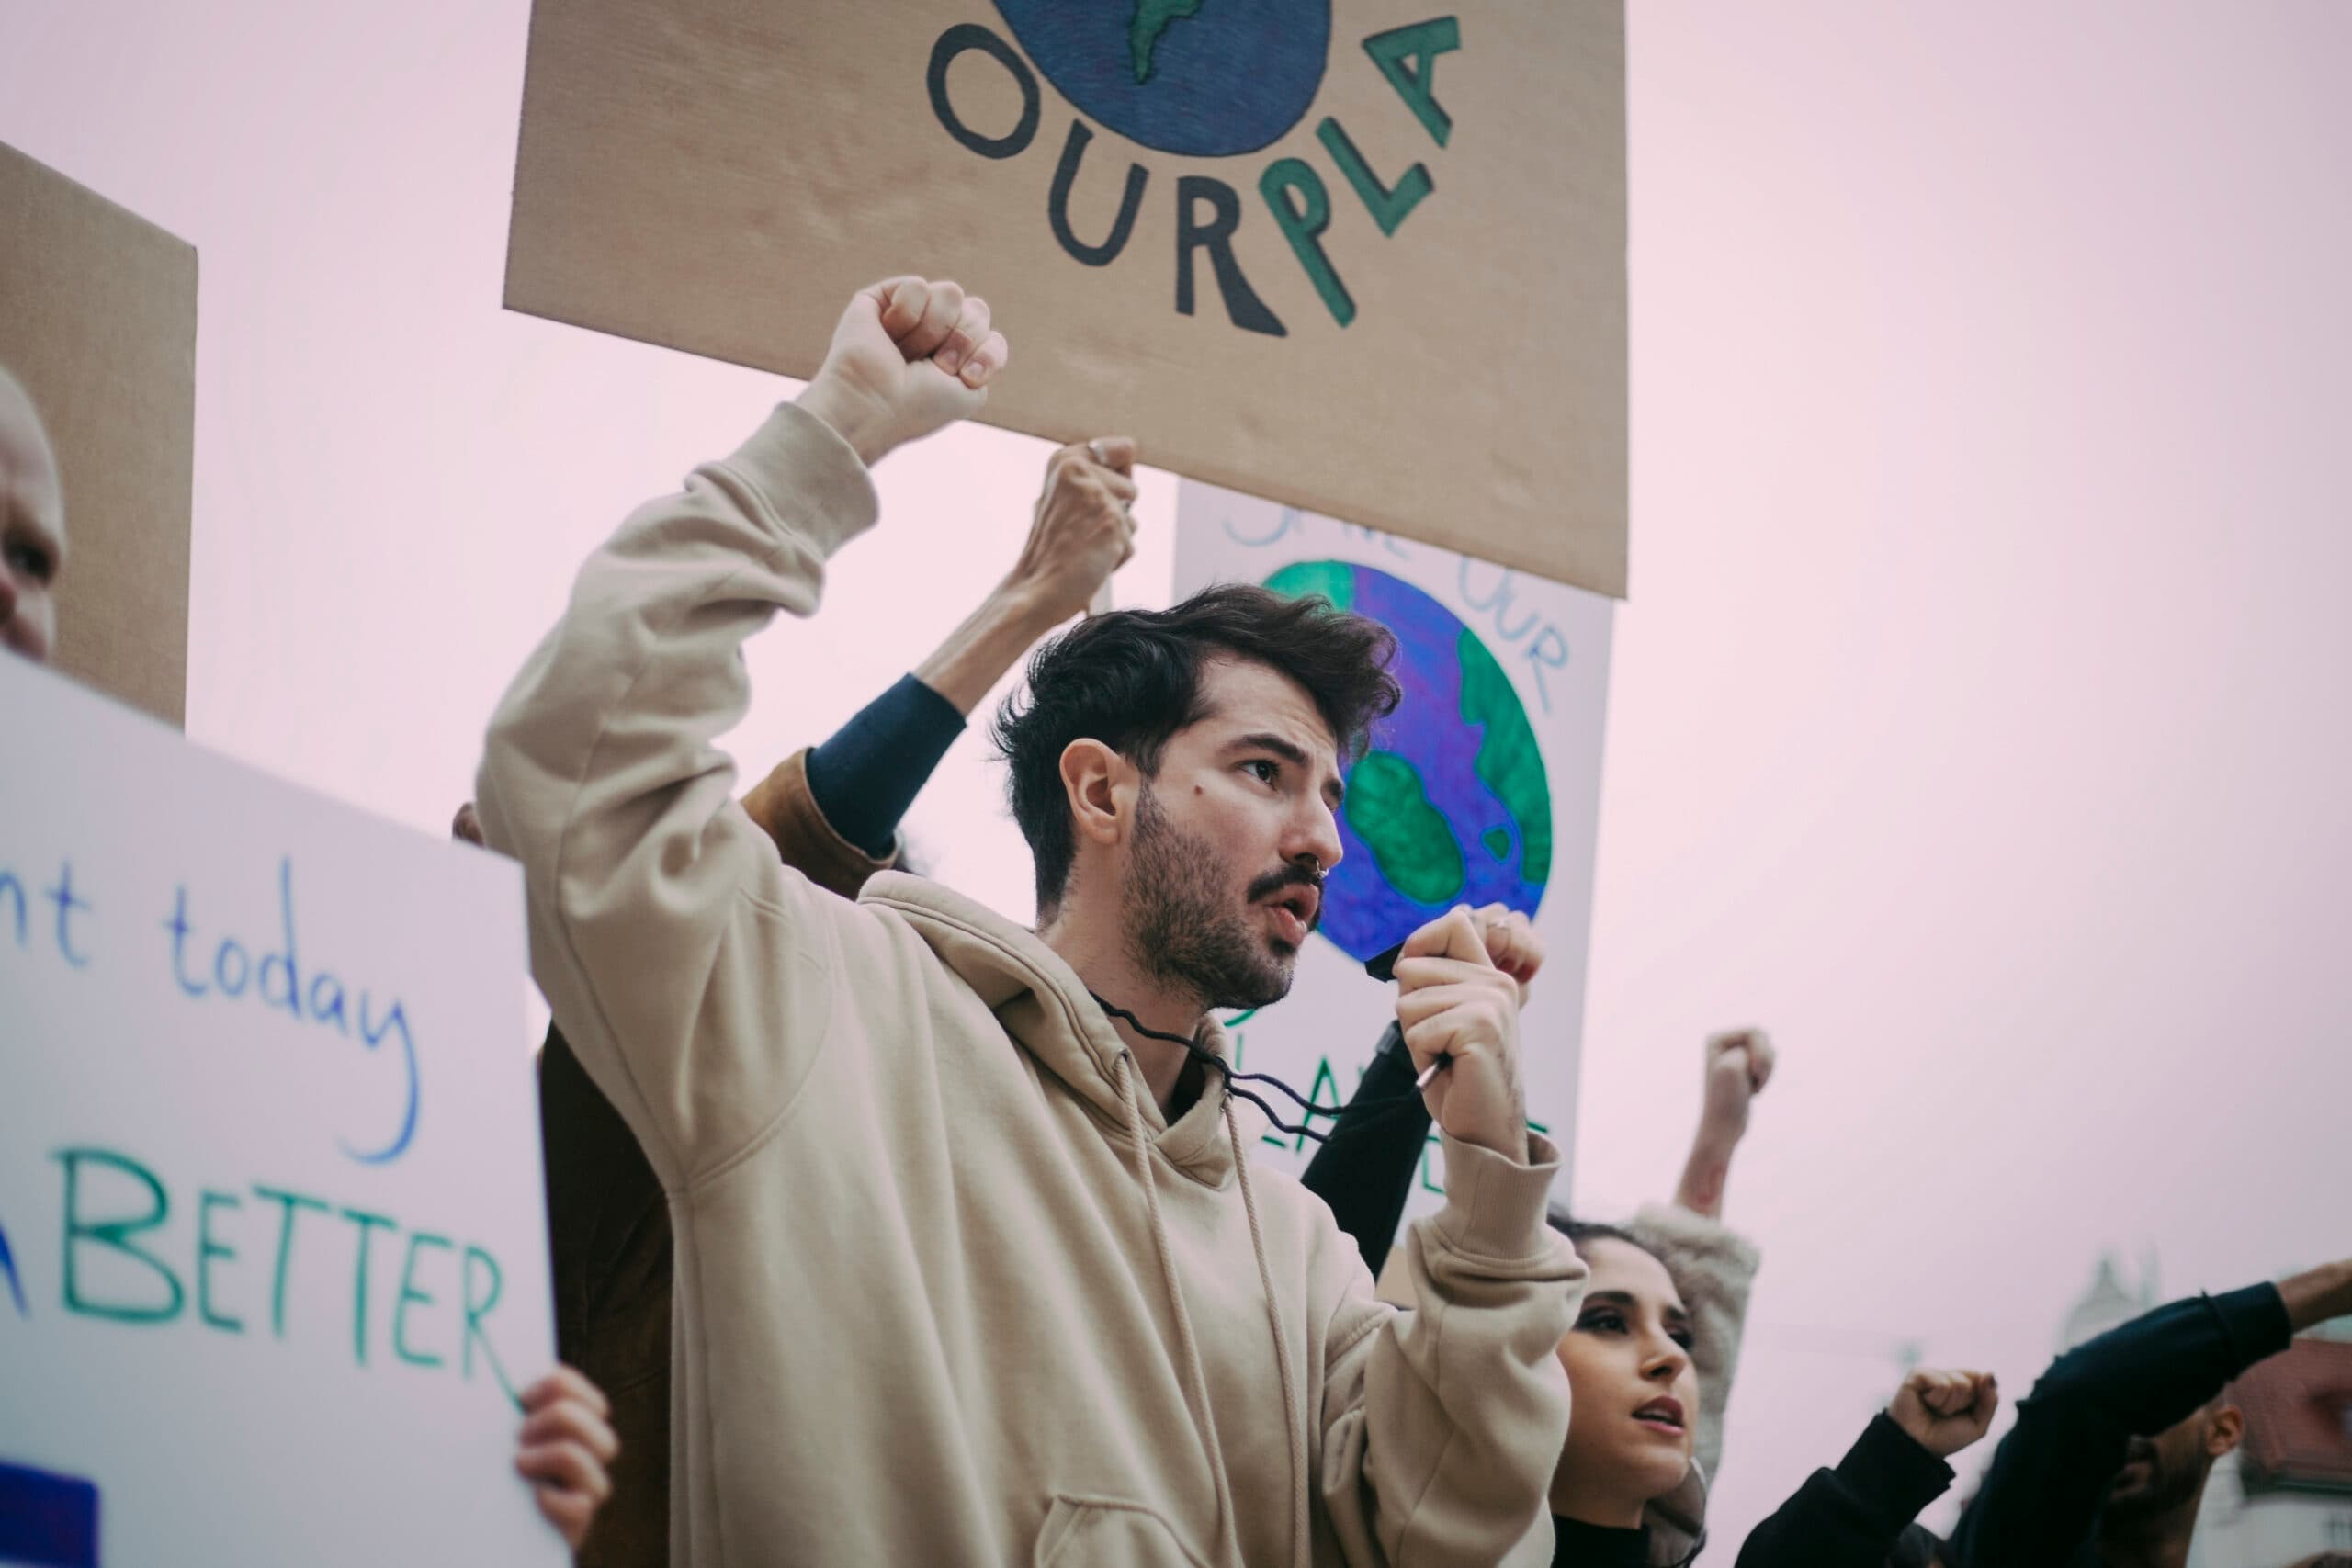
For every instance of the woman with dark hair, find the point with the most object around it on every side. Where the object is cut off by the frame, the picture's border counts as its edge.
(1628, 1492)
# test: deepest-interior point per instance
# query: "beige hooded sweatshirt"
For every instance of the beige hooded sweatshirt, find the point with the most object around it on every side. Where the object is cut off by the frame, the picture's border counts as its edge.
(950, 1288)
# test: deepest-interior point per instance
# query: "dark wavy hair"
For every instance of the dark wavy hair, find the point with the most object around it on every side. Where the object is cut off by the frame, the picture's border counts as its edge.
(1132, 680)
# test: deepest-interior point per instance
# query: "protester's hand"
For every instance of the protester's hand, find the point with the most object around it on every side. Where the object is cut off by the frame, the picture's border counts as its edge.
(1738, 1064)
(1945, 1412)
(1512, 944)
(2316, 1295)
(566, 1444)
(908, 357)
(1452, 1000)
(1082, 532)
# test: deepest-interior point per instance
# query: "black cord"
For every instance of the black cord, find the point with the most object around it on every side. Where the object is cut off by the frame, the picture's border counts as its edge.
(1211, 1059)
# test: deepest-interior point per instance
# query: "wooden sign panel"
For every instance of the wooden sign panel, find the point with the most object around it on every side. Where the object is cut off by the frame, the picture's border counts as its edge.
(98, 321)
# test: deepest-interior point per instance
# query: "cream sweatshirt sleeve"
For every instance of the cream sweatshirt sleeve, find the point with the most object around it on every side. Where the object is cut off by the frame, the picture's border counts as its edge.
(1442, 1426)
(690, 970)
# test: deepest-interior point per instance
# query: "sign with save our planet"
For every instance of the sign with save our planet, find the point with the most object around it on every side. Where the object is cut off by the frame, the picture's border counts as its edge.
(273, 1247)
(1483, 787)
(1365, 257)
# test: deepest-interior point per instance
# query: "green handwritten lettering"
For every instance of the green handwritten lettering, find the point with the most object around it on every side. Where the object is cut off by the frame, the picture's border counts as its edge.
(207, 1250)
(1422, 43)
(478, 1309)
(368, 1224)
(409, 1292)
(114, 1234)
(1389, 205)
(288, 1203)
(1303, 226)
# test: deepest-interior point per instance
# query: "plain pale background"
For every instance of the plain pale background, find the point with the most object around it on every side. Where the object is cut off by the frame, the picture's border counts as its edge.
(1979, 721)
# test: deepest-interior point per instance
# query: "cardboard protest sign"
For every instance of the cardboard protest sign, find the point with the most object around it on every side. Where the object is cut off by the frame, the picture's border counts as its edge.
(97, 320)
(1364, 257)
(1483, 787)
(272, 1243)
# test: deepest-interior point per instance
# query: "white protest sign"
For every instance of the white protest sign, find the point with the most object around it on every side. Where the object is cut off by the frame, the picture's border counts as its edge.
(273, 1242)
(1484, 787)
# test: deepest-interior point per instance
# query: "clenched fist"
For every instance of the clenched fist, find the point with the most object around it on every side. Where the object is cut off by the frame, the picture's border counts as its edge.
(1945, 1412)
(908, 357)
(1452, 1002)
(1512, 944)
(1082, 532)
(1738, 1064)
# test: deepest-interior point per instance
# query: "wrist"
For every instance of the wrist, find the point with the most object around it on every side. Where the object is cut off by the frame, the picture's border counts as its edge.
(2318, 1295)
(852, 418)
(1022, 606)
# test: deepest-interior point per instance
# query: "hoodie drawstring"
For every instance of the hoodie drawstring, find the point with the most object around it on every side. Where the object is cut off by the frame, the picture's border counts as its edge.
(1294, 1419)
(1195, 1378)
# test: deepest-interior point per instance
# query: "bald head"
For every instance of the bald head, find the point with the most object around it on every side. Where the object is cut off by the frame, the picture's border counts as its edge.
(32, 527)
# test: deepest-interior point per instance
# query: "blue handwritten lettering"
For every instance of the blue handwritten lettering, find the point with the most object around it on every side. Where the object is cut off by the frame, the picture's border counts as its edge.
(62, 894)
(179, 928)
(1283, 526)
(276, 980)
(16, 890)
(372, 1033)
(231, 982)
(8, 1267)
(1548, 650)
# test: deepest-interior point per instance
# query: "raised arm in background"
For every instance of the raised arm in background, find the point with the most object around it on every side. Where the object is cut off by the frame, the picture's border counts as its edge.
(2050, 1479)
(1850, 1516)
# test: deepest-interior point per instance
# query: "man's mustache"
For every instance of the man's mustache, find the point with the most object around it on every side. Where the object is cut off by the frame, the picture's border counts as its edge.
(1294, 875)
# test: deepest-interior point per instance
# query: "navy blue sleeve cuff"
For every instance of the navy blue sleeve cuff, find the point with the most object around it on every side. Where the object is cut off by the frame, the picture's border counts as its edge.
(864, 778)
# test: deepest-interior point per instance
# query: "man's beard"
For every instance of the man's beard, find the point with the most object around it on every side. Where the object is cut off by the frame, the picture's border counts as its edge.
(1183, 931)
(2166, 1487)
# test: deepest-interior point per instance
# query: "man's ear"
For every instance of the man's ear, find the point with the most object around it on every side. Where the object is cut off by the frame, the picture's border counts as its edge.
(1099, 784)
(2224, 1431)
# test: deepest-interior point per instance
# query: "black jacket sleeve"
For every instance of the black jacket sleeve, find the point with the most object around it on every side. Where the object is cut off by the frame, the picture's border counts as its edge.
(1851, 1517)
(1365, 1169)
(2042, 1495)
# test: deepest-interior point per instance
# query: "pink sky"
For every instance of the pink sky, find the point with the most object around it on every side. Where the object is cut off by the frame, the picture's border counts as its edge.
(1979, 721)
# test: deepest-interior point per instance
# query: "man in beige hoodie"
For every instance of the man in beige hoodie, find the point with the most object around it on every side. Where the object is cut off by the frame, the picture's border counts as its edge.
(969, 1269)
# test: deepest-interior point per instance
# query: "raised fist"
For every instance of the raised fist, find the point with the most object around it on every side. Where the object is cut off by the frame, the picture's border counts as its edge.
(1452, 1002)
(908, 357)
(1945, 1412)
(1512, 945)
(1083, 530)
(1738, 1064)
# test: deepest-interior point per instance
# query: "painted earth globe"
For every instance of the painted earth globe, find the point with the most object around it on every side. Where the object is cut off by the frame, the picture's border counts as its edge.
(1450, 803)
(1204, 78)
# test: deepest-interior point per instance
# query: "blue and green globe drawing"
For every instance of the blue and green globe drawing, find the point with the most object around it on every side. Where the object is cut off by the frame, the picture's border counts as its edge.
(1450, 804)
(1205, 78)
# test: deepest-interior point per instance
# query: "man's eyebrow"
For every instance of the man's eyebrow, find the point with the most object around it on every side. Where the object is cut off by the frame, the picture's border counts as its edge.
(1334, 790)
(1265, 741)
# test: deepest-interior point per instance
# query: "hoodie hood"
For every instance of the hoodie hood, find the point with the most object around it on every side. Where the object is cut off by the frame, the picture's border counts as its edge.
(1046, 1008)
